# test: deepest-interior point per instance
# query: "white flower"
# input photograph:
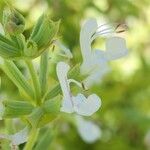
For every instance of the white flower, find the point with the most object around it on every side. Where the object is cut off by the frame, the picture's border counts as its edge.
(95, 62)
(79, 104)
(17, 138)
(88, 130)
(64, 51)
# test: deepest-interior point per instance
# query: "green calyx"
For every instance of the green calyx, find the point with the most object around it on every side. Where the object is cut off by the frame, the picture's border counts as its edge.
(13, 21)
(13, 45)
(44, 32)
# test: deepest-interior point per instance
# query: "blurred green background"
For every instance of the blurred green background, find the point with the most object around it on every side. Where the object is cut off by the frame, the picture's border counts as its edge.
(124, 117)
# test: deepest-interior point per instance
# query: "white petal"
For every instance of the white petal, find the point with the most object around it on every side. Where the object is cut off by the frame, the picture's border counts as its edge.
(96, 75)
(65, 51)
(20, 137)
(87, 31)
(88, 131)
(67, 106)
(62, 70)
(17, 138)
(86, 106)
(89, 27)
(115, 48)
(2, 29)
(97, 58)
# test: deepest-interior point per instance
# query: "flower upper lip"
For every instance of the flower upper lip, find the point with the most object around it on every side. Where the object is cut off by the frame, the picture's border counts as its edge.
(95, 62)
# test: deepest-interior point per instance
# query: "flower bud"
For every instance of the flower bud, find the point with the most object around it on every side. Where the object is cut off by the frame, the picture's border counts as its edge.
(44, 32)
(13, 21)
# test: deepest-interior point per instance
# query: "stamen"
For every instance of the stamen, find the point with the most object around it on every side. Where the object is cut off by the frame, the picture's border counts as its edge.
(119, 28)
(84, 88)
(74, 81)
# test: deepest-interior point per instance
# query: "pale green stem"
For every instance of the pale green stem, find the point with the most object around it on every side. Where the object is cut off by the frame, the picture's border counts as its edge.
(32, 139)
(35, 80)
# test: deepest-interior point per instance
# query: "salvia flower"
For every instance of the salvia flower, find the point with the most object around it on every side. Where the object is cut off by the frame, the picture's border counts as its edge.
(17, 138)
(88, 130)
(64, 51)
(79, 103)
(95, 62)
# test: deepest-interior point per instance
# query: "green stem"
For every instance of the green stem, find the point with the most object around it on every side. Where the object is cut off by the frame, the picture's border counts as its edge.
(32, 139)
(43, 72)
(35, 80)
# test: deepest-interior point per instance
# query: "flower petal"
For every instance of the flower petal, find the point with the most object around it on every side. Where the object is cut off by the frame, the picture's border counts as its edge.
(67, 106)
(17, 138)
(96, 76)
(62, 70)
(20, 137)
(86, 106)
(115, 48)
(65, 51)
(87, 31)
(88, 131)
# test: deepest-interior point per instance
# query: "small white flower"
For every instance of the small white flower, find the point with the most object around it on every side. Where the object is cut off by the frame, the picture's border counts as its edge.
(79, 104)
(17, 138)
(88, 130)
(64, 51)
(95, 62)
